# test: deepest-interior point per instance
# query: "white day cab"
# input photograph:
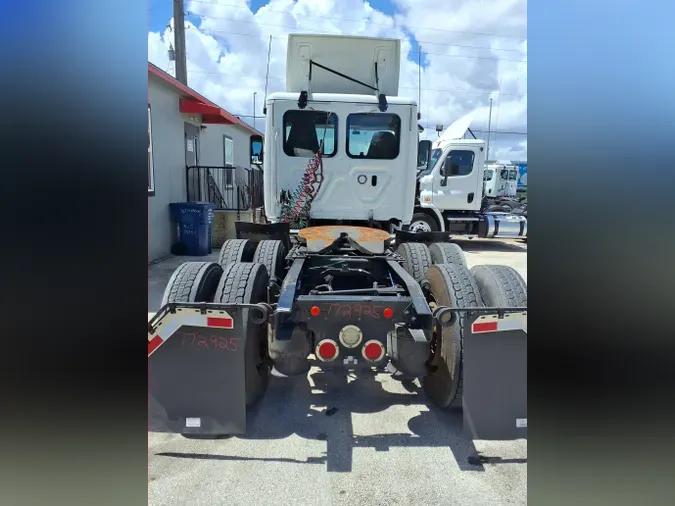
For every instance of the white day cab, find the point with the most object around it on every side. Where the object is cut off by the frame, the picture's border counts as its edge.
(451, 190)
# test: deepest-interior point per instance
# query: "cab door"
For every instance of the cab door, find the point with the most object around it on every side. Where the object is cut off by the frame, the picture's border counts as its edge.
(457, 183)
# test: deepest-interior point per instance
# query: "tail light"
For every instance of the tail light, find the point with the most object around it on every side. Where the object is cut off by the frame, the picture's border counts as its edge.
(326, 350)
(373, 351)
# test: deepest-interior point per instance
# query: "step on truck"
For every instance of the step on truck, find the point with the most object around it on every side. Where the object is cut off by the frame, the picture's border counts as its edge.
(338, 295)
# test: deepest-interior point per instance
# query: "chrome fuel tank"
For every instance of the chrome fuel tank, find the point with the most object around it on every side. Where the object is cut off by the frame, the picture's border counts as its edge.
(504, 226)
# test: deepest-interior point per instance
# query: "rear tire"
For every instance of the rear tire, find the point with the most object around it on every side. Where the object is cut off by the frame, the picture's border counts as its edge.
(272, 254)
(246, 283)
(236, 250)
(417, 259)
(192, 282)
(500, 286)
(451, 286)
(447, 253)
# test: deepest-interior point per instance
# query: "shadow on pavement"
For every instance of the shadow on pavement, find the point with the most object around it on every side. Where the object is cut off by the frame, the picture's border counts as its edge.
(323, 411)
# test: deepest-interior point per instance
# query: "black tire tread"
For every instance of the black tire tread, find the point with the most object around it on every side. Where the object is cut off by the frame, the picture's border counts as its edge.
(236, 250)
(500, 286)
(463, 292)
(271, 254)
(246, 283)
(417, 259)
(447, 253)
(192, 282)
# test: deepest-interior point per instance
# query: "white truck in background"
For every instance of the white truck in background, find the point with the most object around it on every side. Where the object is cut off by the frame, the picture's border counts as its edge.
(452, 193)
(500, 180)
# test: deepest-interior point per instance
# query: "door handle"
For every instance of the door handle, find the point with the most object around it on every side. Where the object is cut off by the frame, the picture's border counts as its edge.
(469, 198)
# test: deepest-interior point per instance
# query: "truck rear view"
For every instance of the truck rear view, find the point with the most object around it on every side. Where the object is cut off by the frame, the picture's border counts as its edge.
(341, 98)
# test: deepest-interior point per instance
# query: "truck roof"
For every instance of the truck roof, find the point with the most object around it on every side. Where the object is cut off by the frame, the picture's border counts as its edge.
(348, 55)
(442, 143)
(340, 97)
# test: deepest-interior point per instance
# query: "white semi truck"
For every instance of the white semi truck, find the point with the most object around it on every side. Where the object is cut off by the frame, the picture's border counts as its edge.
(339, 145)
(451, 192)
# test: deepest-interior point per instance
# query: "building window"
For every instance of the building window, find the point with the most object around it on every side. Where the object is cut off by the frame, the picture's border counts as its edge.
(151, 166)
(374, 136)
(458, 163)
(304, 131)
(228, 157)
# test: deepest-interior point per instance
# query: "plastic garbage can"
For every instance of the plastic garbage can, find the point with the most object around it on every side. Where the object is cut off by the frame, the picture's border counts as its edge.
(195, 223)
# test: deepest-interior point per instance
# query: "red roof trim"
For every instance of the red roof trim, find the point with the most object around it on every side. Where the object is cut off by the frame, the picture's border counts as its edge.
(210, 113)
(221, 116)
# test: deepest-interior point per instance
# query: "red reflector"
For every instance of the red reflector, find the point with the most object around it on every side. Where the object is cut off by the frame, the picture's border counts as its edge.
(154, 343)
(225, 323)
(388, 312)
(485, 327)
(327, 350)
(315, 311)
(373, 351)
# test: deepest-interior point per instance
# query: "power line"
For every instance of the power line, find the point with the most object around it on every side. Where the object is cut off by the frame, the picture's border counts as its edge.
(228, 32)
(362, 21)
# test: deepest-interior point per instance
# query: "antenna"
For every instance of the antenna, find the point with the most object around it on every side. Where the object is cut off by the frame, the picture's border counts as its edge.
(267, 75)
(419, 81)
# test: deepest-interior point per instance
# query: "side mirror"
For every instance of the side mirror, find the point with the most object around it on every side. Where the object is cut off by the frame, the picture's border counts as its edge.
(256, 150)
(423, 152)
(444, 173)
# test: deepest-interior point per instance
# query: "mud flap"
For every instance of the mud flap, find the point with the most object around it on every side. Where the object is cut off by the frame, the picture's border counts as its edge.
(494, 396)
(196, 377)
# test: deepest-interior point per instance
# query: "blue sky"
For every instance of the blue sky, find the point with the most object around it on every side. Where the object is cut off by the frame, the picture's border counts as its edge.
(161, 11)
(474, 55)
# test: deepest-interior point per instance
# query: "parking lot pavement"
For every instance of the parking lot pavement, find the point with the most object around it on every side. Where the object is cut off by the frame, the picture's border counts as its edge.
(332, 439)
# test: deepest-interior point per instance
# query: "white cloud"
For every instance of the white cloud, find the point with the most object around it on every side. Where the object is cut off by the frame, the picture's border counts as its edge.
(227, 55)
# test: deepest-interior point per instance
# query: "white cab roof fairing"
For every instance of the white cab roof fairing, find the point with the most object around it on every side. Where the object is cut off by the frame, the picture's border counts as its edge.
(455, 131)
(340, 97)
(352, 56)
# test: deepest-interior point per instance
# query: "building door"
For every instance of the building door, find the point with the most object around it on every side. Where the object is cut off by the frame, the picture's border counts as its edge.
(195, 192)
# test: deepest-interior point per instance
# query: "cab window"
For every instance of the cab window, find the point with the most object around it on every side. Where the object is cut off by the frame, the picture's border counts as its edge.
(513, 175)
(489, 175)
(458, 163)
(374, 136)
(305, 131)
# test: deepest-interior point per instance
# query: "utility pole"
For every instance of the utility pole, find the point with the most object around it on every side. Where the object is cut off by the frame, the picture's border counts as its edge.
(254, 94)
(487, 156)
(179, 41)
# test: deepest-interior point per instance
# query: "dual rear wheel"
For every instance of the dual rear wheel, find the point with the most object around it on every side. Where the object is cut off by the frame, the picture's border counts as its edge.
(452, 284)
(241, 276)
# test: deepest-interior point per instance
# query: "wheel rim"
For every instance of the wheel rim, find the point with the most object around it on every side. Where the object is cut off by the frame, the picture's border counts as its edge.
(420, 226)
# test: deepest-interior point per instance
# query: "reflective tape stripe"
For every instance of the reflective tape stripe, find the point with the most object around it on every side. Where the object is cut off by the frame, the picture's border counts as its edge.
(492, 323)
(171, 322)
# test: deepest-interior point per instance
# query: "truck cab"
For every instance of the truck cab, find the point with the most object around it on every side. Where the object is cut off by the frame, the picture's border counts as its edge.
(454, 179)
(500, 180)
(452, 188)
(368, 141)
